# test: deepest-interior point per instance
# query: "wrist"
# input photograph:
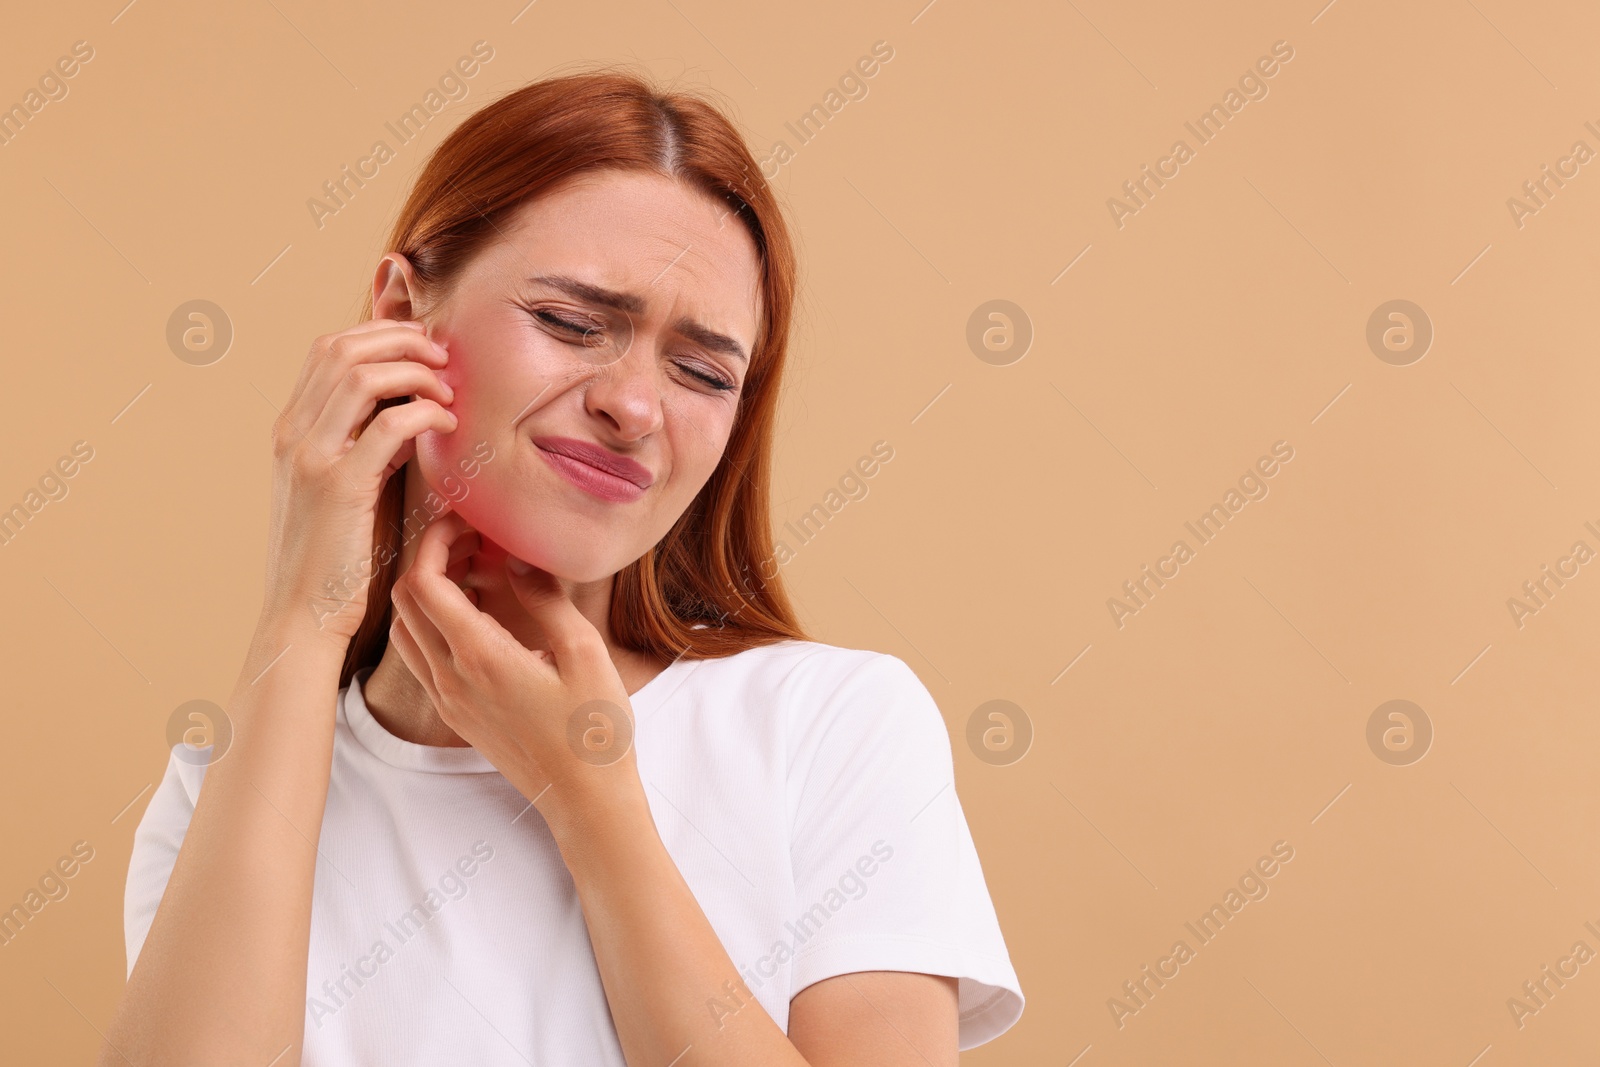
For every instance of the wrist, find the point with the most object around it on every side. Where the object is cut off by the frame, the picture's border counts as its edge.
(330, 613)
(596, 809)
(281, 636)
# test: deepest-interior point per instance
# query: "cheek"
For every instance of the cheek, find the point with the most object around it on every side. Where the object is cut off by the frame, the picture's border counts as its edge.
(698, 448)
(491, 503)
(445, 456)
(496, 498)
(442, 458)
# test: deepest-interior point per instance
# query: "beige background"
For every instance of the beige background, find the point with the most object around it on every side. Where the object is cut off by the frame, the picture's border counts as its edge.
(1226, 315)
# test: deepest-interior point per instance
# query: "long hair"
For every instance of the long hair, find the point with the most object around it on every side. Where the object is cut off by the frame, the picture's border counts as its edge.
(716, 567)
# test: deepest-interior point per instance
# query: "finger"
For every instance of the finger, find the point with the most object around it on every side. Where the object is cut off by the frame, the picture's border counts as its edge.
(333, 355)
(443, 542)
(412, 656)
(359, 391)
(311, 363)
(462, 551)
(461, 560)
(377, 452)
(444, 602)
(544, 597)
(420, 628)
(465, 547)
(402, 455)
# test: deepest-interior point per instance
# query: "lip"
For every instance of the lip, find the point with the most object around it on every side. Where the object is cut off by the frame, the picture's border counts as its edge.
(594, 469)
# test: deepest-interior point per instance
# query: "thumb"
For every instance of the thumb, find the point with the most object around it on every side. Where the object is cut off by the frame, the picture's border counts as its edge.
(546, 601)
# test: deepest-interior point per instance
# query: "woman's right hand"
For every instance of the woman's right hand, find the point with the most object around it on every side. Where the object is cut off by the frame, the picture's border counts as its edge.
(326, 478)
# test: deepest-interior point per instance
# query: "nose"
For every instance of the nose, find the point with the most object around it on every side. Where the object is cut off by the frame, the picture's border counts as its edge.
(626, 392)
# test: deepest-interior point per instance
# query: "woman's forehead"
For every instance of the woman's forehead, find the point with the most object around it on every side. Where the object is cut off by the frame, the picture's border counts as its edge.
(664, 251)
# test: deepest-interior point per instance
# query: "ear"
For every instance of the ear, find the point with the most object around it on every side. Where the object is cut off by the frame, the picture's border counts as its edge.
(396, 293)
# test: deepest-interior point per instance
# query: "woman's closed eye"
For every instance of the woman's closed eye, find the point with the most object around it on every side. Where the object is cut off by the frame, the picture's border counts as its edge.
(593, 334)
(590, 334)
(710, 378)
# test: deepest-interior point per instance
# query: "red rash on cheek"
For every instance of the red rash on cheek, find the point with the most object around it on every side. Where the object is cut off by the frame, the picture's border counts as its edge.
(445, 458)
(492, 511)
(457, 375)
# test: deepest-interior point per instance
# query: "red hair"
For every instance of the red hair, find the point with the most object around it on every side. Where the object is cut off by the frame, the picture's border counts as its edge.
(716, 565)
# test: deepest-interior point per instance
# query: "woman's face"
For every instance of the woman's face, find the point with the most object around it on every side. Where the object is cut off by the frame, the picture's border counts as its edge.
(616, 313)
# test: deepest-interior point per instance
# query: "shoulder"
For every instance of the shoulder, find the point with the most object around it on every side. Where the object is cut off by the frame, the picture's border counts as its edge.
(833, 705)
(811, 678)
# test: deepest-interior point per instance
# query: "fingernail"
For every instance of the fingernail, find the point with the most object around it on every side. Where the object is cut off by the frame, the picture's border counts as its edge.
(519, 568)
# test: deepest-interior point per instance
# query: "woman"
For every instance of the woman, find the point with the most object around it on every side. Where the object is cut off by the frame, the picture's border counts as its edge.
(587, 794)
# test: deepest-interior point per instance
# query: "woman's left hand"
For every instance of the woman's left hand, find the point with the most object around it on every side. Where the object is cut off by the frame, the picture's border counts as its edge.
(557, 724)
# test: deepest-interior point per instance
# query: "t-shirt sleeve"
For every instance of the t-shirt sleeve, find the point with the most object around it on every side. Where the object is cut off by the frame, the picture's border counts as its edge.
(887, 876)
(155, 851)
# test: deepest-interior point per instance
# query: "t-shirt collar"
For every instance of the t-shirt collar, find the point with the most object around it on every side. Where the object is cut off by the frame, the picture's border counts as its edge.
(464, 759)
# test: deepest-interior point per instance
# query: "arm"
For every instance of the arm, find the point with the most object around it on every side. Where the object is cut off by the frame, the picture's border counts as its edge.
(671, 985)
(877, 1017)
(221, 978)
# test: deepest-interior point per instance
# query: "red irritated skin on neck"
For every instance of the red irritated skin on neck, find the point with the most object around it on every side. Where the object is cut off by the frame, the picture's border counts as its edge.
(538, 355)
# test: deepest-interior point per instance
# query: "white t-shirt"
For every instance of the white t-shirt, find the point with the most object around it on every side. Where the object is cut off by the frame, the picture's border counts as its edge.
(805, 792)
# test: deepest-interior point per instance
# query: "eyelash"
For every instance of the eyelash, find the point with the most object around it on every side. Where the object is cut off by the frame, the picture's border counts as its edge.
(716, 382)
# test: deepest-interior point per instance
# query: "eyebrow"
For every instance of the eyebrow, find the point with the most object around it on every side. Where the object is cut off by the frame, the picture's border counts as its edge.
(633, 304)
